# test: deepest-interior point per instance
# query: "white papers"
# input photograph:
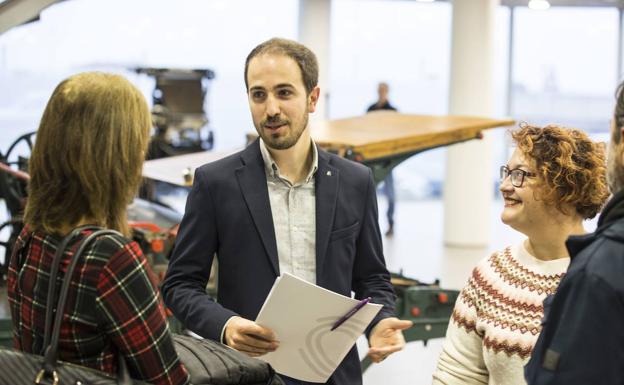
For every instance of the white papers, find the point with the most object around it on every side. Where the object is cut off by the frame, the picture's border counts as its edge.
(301, 315)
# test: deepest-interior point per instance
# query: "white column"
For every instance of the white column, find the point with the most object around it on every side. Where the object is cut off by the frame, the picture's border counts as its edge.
(314, 23)
(468, 188)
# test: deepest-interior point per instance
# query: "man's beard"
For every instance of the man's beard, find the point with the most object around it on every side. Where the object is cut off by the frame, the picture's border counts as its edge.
(615, 168)
(286, 141)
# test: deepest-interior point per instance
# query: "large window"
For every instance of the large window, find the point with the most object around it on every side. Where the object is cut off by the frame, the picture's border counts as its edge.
(407, 45)
(118, 35)
(565, 66)
(564, 61)
(403, 43)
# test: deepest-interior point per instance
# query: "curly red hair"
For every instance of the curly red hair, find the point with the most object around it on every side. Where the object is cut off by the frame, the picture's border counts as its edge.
(570, 164)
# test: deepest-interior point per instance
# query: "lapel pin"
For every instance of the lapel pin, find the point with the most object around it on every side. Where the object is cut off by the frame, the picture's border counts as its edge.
(328, 173)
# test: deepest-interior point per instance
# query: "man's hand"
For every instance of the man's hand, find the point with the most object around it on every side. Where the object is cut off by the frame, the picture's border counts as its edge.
(250, 338)
(387, 338)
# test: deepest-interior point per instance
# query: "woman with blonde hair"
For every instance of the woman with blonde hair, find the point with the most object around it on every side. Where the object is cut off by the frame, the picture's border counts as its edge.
(553, 181)
(85, 168)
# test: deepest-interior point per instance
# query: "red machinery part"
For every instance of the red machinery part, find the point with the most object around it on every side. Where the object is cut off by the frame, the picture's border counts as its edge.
(145, 226)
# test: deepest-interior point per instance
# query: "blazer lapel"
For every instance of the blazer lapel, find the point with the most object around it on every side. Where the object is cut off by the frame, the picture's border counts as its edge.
(326, 186)
(253, 183)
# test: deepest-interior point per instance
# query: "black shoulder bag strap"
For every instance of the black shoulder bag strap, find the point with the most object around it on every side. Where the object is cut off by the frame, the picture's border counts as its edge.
(52, 287)
(51, 350)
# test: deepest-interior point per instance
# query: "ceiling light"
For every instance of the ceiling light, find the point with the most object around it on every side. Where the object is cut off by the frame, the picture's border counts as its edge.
(539, 5)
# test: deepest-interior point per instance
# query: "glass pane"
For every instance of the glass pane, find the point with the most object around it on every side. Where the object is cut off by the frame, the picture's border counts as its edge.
(403, 43)
(565, 66)
(118, 36)
(407, 45)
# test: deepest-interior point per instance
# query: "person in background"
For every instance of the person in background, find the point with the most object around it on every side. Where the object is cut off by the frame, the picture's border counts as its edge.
(85, 168)
(582, 340)
(553, 181)
(281, 205)
(382, 103)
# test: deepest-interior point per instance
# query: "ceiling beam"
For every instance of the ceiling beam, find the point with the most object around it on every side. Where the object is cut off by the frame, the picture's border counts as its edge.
(18, 12)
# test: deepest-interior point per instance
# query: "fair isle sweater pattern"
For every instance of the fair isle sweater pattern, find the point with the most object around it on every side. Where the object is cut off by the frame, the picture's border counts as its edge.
(501, 311)
(497, 318)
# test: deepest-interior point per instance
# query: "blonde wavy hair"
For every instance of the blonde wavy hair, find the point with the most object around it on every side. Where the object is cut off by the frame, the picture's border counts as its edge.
(570, 164)
(88, 156)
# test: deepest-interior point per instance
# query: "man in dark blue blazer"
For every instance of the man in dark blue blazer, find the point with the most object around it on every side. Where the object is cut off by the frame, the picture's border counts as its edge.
(280, 205)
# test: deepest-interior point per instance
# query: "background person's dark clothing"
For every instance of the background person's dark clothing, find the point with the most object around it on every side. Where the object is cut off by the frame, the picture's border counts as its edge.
(228, 212)
(385, 106)
(388, 185)
(582, 340)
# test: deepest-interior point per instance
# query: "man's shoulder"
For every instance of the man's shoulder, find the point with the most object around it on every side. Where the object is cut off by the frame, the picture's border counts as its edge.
(603, 259)
(223, 165)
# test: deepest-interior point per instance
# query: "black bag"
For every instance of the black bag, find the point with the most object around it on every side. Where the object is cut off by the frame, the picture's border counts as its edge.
(210, 362)
(207, 362)
(19, 368)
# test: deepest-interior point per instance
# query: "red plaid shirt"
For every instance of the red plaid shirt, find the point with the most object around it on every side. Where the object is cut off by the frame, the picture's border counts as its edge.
(113, 307)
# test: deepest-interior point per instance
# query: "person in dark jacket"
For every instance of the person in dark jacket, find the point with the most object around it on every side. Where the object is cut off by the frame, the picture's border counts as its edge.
(383, 104)
(582, 339)
(280, 205)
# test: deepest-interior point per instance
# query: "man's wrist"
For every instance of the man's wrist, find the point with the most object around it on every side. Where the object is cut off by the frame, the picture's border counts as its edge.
(222, 338)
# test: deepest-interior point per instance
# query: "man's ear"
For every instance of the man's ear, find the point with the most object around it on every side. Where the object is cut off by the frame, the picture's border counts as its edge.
(313, 98)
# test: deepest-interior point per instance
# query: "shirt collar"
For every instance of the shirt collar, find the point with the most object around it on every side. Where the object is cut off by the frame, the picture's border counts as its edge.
(272, 169)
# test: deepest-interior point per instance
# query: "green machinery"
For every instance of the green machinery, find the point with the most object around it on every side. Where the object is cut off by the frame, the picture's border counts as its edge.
(427, 305)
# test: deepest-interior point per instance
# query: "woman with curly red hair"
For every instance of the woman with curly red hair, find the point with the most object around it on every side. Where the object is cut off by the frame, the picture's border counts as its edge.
(553, 181)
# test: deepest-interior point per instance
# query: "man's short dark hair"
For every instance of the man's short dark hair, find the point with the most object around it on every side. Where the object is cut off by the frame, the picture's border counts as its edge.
(302, 55)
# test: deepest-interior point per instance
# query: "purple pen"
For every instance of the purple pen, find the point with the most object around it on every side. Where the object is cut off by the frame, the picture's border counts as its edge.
(350, 313)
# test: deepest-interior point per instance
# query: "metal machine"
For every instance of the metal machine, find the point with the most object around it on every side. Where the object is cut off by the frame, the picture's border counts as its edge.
(153, 226)
(13, 181)
(180, 120)
(427, 305)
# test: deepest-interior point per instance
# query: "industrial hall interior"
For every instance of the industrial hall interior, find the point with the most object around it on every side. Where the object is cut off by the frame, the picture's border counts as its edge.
(422, 173)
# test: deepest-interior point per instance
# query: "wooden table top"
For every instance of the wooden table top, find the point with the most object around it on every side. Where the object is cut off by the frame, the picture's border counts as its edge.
(383, 134)
(376, 135)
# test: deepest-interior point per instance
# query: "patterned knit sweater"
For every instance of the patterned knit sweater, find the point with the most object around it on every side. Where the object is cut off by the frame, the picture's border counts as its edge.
(497, 319)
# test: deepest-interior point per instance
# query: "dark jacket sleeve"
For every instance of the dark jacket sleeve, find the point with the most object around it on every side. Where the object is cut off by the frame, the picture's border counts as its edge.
(582, 340)
(370, 276)
(184, 288)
